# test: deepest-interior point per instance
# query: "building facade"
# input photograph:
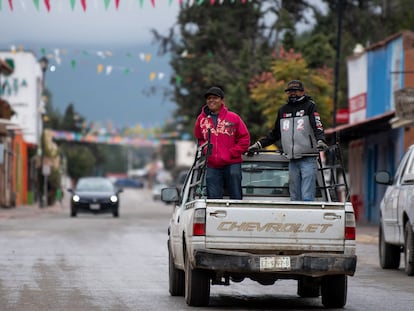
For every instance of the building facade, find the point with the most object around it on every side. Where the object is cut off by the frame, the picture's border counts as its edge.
(377, 135)
(20, 127)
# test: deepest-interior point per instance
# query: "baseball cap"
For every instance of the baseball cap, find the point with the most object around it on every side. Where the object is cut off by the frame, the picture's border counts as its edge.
(216, 91)
(294, 85)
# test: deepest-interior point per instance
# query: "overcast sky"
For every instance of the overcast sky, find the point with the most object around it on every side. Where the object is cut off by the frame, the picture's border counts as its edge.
(129, 24)
(79, 36)
(119, 98)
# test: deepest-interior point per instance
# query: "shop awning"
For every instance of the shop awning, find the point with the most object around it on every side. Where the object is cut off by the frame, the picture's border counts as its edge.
(374, 125)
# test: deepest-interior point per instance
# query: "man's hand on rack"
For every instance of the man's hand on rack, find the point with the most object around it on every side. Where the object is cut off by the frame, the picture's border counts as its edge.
(322, 145)
(253, 148)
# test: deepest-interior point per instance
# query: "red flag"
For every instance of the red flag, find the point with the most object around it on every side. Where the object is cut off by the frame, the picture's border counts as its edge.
(83, 2)
(153, 3)
(212, 2)
(116, 4)
(47, 4)
(11, 5)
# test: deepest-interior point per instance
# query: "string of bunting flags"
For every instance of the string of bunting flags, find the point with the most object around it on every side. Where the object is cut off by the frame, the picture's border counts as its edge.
(77, 57)
(85, 4)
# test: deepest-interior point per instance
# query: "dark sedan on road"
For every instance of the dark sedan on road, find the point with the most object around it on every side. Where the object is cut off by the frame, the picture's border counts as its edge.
(96, 195)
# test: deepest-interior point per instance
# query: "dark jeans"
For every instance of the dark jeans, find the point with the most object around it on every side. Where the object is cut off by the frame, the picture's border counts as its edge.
(229, 176)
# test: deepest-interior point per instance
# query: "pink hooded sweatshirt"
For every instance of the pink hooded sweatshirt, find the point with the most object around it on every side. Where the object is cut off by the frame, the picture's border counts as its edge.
(230, 138)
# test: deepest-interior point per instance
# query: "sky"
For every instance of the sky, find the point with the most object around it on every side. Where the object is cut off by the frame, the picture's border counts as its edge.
(103, 60)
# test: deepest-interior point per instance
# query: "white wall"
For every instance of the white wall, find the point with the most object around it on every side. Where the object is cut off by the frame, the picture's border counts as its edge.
(22, 90)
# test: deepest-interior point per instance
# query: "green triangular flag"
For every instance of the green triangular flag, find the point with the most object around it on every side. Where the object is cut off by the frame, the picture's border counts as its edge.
(200, 2)
(36, 3)
(141, 3)
(126, 71)
(73, 64)
(107, 4)
(43, 51)
(72, 4)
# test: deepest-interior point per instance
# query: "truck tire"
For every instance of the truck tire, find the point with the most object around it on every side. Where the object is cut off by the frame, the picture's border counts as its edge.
(197, 286)
(389, 255)
(409, 249)
(334, 290)
(176, 276)
(308, 287)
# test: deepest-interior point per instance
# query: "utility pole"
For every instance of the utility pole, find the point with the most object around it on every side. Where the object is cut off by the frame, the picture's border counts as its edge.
(44, 62)
(337, 65)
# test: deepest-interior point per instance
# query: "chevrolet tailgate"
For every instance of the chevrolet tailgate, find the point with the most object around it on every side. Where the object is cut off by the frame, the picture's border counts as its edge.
(286, 227)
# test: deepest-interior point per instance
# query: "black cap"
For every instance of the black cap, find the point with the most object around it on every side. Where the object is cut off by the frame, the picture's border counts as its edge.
(294, 85)
(216, 91)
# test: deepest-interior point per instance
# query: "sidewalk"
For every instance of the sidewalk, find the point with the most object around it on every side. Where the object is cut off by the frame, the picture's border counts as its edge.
(365, 233)
(26, 211)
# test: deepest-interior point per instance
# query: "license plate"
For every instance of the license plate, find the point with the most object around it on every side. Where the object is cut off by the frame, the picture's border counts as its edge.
(275, 263)
(95, 206)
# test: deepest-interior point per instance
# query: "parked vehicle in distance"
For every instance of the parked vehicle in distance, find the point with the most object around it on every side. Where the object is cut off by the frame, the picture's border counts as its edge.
(96, 195)
(128, 183)
(397, 215)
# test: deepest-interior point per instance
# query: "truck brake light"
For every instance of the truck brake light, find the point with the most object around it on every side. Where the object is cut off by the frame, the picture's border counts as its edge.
(349, 226)
(199, 222)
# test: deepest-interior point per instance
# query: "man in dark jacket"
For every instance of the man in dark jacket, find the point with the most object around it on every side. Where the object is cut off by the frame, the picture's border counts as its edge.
(299, 128)
(230, 139)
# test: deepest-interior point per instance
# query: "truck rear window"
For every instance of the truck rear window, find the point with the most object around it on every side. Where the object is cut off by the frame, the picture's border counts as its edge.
(265, 179)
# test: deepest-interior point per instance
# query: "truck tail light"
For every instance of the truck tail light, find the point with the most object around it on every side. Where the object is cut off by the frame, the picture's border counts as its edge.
(349, 226)
(199, 222)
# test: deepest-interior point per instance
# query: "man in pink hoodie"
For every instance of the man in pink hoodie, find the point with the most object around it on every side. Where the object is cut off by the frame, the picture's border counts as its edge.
(230, 139)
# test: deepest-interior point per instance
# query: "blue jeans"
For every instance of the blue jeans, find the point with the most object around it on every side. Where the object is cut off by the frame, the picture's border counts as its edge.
(302, 178)
(229, 176)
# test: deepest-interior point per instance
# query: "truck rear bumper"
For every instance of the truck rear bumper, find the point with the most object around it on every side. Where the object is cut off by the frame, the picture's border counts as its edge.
(310, 264)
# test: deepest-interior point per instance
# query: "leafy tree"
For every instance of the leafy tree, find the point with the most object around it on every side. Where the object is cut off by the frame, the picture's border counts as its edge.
(72, 121)
(52, 117)
(80, 160)
(268, 88)
(213, 50)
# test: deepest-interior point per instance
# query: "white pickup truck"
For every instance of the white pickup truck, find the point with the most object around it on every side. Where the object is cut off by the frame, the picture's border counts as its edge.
(264, 236)
(396, 232)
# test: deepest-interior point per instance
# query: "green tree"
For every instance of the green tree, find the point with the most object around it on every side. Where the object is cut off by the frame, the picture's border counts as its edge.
(80, 160)
(267, 89)
(72, 121)
(213, 50)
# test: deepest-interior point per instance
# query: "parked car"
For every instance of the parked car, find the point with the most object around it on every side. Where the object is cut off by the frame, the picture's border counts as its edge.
(396, 233)
(128, 183)
(96, 195)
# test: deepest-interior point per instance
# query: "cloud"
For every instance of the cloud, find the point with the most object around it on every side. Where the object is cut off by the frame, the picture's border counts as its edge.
(130, 24)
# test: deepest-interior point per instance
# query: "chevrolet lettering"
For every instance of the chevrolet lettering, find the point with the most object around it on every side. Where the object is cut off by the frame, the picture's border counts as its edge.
(264, 237)
(272, 227)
